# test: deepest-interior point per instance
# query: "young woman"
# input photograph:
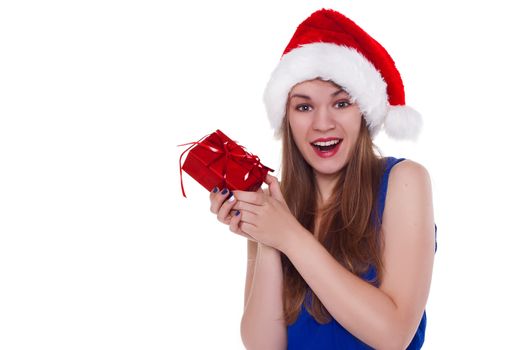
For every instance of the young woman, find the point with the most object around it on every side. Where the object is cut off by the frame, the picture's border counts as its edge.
(340, 253)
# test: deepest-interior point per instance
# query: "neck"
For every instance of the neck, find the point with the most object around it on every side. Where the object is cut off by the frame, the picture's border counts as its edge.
(325, 185)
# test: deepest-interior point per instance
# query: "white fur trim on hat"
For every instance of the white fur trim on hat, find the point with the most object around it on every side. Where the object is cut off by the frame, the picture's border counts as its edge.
(342, 65)
(403, 123)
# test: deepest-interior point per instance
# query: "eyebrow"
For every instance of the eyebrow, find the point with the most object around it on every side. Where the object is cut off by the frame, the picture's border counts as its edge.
(306, 97)
(338, 92)
(301, 96)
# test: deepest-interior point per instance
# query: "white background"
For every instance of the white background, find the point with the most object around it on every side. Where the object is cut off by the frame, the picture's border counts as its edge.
(98, 249)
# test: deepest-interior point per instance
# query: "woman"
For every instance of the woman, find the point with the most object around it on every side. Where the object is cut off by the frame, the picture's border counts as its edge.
(340, 254)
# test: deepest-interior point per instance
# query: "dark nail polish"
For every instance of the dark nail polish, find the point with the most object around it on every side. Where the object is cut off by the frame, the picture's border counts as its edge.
(237, 213)
(224, 191)
(215, 189)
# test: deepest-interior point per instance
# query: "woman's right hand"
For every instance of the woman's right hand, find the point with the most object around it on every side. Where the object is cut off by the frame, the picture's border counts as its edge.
(221, 204)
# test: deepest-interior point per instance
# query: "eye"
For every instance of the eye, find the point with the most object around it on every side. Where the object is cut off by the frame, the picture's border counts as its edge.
(342, 104)
(303, 108)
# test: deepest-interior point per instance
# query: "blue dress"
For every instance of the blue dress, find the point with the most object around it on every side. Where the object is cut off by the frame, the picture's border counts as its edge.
(306, 334)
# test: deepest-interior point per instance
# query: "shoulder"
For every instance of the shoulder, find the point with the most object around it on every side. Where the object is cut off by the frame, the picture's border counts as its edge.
(409, 196)
(408, 171)
(408, 179)
(408, 201)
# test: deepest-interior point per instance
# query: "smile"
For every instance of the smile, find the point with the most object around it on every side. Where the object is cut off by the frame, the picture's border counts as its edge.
(326, 148)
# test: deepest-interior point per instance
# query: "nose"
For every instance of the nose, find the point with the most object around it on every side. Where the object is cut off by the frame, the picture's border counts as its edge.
(323, 120)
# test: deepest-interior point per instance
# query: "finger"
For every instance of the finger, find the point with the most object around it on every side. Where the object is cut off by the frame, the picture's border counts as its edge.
(275, 188)
(247, 228)
(224, 211)
(240, 205)
(234, 226)
(256, 198)
(248, 217)
(234, 222)
(269, 179)
(217, 198)
(213, 194)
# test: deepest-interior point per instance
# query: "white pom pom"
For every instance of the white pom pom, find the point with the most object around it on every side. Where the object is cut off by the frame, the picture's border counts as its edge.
(403, 123)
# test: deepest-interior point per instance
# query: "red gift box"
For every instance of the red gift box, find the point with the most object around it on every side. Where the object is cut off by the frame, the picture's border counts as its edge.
(218, 161)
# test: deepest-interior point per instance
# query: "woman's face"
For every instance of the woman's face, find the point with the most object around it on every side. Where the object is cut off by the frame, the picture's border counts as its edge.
(324, 124)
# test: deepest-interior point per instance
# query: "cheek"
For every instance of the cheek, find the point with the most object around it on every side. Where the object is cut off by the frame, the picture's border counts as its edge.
(297, 138)
(298, 128)
(358, 125)
(299, 135)
(355, 124)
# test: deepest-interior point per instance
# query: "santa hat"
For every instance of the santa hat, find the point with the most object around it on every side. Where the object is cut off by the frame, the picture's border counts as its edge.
(329, 46)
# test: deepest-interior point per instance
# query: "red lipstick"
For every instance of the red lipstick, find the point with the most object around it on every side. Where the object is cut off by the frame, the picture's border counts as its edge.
(326, 147)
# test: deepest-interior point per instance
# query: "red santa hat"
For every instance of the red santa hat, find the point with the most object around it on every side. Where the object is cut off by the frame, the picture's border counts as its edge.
(329, 46)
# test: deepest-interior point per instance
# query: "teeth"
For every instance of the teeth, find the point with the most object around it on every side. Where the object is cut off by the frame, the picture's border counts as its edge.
(327, 143)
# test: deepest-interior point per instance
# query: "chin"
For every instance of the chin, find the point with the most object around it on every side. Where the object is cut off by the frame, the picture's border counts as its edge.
(328, 170)
(328, 167)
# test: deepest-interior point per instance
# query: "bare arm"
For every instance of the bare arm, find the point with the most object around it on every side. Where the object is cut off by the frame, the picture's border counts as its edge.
(262, 325)
(250, 266)
(387, 317)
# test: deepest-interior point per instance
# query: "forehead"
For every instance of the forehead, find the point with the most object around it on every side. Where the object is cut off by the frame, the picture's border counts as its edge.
(315, 85)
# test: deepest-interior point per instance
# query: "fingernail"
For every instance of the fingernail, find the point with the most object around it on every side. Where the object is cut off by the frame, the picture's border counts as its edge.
(237, 213)
(231, 198)
(215, 189)
(224, 191)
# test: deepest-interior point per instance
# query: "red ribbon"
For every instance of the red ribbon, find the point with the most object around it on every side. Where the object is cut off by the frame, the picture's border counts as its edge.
(230, 149)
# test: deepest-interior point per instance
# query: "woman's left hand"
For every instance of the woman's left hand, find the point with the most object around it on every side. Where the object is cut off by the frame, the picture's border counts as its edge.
(265, 215)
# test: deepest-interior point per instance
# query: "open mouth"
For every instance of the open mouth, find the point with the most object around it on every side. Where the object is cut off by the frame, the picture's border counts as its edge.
(326, 146)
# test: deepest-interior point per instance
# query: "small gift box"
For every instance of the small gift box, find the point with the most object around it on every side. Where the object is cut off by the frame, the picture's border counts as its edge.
(218, 161)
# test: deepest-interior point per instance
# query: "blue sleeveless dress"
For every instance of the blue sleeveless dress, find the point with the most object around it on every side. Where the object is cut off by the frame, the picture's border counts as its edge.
(306, 334)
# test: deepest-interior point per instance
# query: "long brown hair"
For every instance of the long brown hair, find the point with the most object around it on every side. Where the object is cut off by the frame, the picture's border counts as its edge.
(348, 222)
